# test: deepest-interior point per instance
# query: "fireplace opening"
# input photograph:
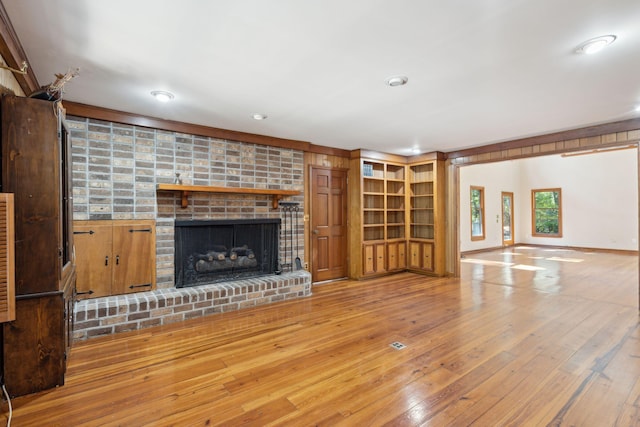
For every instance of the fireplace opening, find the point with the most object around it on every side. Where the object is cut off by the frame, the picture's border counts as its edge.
(211, 251)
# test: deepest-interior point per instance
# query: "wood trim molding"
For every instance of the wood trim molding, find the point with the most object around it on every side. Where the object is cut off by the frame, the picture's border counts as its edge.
(185, 190)
(13, 53)
(109, 115)
(329, 151)
(585, 132)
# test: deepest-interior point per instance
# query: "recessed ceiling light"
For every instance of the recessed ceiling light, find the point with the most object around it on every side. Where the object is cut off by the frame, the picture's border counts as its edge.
(596, 44)
(397, 80)
(638, 109)
(259, 116)
(162, 95)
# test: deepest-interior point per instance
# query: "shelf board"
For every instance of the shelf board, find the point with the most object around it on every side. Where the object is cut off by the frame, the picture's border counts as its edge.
(185, 190)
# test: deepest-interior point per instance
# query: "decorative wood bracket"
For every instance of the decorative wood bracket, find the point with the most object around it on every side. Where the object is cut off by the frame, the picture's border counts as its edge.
(185, 190)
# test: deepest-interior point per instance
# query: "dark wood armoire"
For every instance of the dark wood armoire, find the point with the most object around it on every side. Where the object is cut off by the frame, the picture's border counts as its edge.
(36, 167)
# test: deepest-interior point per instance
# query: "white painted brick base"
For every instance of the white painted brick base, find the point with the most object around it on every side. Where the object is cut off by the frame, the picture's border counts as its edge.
(104, 316)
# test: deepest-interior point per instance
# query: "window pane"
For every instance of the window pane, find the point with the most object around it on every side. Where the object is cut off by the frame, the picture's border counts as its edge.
(547, 212)
(477, 213)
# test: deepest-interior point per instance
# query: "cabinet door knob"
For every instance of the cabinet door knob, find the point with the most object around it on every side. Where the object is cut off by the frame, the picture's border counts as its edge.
(106, 260)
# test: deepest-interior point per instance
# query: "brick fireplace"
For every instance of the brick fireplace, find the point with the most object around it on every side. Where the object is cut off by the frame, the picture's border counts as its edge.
(115, 172)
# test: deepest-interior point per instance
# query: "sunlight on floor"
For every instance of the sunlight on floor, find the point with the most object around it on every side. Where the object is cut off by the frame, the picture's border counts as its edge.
(565, 259)
(527, 267)
(523, 266)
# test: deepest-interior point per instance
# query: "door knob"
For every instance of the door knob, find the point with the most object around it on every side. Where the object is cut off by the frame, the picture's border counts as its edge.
(316, 232)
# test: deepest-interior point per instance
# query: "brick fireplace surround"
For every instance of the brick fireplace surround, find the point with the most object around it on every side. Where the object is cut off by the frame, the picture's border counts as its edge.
(115, 171)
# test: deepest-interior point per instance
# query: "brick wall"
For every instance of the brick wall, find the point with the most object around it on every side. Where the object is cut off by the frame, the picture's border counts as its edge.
(116, 168)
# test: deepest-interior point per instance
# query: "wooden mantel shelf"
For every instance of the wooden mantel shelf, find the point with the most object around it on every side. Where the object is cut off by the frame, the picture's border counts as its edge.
(185, 190)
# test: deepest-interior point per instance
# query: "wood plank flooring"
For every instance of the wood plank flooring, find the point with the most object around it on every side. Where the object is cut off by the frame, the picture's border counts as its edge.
(526, 337)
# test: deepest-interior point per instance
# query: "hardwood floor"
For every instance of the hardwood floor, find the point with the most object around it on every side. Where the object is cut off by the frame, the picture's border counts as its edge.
(525, 337)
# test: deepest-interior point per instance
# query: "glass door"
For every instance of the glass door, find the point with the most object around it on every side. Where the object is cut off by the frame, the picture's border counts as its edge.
(507, 219)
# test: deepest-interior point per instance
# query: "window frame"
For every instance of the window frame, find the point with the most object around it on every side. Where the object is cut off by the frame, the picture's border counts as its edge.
(534, 209)
(482, 213)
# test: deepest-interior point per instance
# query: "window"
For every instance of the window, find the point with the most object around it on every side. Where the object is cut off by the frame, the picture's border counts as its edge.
(477, 213)
(546, 212)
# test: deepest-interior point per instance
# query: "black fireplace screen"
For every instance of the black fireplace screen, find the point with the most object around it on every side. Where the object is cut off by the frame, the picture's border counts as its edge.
(213, 251)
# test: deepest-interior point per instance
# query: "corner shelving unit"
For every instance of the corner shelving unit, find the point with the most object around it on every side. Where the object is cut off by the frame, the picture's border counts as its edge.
(399, 222)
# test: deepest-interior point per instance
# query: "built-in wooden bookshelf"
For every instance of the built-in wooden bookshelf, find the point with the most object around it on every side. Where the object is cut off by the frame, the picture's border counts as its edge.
(397, 225)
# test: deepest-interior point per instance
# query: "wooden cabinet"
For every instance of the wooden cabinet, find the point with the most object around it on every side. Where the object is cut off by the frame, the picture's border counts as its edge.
(114, 257)
(400, 213)
(421, 255)
(396, 256)
(36, 168)
(374, 258)
(37, 342)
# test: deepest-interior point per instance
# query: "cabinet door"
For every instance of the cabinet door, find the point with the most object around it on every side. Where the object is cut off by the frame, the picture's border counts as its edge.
(402, 255)
(94, 259)
(415, 255)
(392, 255)
(31, 170)
(380, 258)
(369, 265)
(134, 257)
(427, 256)
(34, 345)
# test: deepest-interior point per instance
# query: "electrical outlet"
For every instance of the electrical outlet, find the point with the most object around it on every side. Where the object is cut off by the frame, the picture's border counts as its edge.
(306, 265)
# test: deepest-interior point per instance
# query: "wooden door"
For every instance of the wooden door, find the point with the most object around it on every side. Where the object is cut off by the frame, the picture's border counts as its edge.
(93, 241)
(328, 223)
(507, 219)
(134, 257)
(31, 170)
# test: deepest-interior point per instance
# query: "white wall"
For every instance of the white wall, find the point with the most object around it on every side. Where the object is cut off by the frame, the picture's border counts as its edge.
(599, 199)
(495, 178)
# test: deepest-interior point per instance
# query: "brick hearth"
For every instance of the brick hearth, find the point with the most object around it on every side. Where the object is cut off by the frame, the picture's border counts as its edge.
(103, 316)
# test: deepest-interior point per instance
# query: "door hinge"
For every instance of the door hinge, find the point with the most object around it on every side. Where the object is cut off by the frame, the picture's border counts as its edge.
(140, 286)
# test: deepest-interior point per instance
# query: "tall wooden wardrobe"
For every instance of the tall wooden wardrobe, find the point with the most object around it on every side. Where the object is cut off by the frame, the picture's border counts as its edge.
(36, 168)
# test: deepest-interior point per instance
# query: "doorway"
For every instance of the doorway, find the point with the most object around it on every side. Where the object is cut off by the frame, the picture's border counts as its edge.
(328, 223)
(507, 219)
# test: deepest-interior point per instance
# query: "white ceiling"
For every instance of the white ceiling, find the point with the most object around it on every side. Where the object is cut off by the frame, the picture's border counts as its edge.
(480, 71)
